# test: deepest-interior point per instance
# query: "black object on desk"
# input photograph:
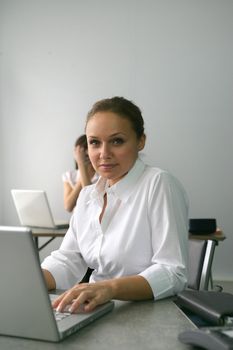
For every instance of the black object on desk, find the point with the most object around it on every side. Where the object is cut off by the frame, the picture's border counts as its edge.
(216, 308)
(209, 338)
(202, 226)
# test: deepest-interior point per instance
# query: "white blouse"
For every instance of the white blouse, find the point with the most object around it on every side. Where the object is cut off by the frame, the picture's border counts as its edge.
(144, 231)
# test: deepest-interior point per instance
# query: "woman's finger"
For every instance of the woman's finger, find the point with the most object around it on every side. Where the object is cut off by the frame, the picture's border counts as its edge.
(67, 299)
(82, 300)
(57, 301)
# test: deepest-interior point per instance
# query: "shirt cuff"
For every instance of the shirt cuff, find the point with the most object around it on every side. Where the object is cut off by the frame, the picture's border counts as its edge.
(163, 281)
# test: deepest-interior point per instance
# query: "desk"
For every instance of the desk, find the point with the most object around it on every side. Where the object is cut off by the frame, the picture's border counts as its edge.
(145, 325)
(212, 241)
(47, 232)
(216, 236)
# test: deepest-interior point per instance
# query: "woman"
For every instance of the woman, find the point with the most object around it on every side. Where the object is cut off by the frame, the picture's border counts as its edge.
(83, 175)
(131, 227)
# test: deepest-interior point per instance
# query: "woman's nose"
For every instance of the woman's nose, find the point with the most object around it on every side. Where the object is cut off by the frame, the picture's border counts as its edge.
(105, 151)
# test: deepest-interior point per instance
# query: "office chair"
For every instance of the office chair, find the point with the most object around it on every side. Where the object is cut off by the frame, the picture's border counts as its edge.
(201, 253)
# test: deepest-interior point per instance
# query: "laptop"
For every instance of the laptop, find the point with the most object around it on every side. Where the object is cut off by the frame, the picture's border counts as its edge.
(33, 209)
(25, 304)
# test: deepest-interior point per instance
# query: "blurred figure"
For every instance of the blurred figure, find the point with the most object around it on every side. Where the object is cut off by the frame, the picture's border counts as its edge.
(83, 174)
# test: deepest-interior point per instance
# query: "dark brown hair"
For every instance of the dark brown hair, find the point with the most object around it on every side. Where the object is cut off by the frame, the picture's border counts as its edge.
(81, 141)
(122, 107)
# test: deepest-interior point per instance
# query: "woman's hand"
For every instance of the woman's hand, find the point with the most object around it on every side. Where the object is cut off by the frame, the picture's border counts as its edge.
(85, 295)
(84, 165)
(80, 155)
(88, 295)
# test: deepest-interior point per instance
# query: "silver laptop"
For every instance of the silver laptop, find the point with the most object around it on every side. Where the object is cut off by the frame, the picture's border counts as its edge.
(25, 306)
(33, 209)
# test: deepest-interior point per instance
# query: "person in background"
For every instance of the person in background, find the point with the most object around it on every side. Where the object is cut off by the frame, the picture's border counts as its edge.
(131, 227)
(83, 174)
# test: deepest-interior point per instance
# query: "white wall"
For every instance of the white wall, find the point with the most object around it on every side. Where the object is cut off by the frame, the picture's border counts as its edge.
(174, 58)
(1, 173)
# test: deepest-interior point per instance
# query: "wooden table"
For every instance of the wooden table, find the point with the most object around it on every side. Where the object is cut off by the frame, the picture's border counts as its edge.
(217, 236)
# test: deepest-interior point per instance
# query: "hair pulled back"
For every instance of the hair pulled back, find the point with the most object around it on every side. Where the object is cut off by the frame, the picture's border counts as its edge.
(122, 107)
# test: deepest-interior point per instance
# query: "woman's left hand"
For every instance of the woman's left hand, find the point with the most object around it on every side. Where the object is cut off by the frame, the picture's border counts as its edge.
(85, 295)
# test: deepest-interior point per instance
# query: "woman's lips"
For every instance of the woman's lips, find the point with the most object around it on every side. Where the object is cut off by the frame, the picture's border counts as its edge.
(107, 166)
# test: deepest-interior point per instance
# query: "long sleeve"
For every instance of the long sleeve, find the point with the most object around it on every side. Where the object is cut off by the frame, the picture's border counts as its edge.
(168, 213)
(66, 264)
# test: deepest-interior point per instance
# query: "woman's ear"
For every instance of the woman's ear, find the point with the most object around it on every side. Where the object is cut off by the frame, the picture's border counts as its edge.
(141, 143)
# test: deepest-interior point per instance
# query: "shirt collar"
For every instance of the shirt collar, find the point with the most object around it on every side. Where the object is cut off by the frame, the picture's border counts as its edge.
(123, 188)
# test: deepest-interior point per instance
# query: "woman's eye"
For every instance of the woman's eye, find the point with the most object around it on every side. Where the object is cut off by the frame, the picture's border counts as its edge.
(118, 141)
(94, 142)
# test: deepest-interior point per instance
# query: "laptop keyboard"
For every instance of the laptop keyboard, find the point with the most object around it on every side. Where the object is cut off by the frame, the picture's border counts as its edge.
(61, 315)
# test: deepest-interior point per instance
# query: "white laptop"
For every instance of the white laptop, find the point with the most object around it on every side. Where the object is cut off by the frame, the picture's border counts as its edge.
(25, 304)
(33, 209)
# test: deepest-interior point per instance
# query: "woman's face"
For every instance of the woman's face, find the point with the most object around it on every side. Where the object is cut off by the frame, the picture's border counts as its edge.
(113, 145)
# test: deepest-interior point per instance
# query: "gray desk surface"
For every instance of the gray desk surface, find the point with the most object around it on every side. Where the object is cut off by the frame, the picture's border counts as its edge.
(130, 326)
